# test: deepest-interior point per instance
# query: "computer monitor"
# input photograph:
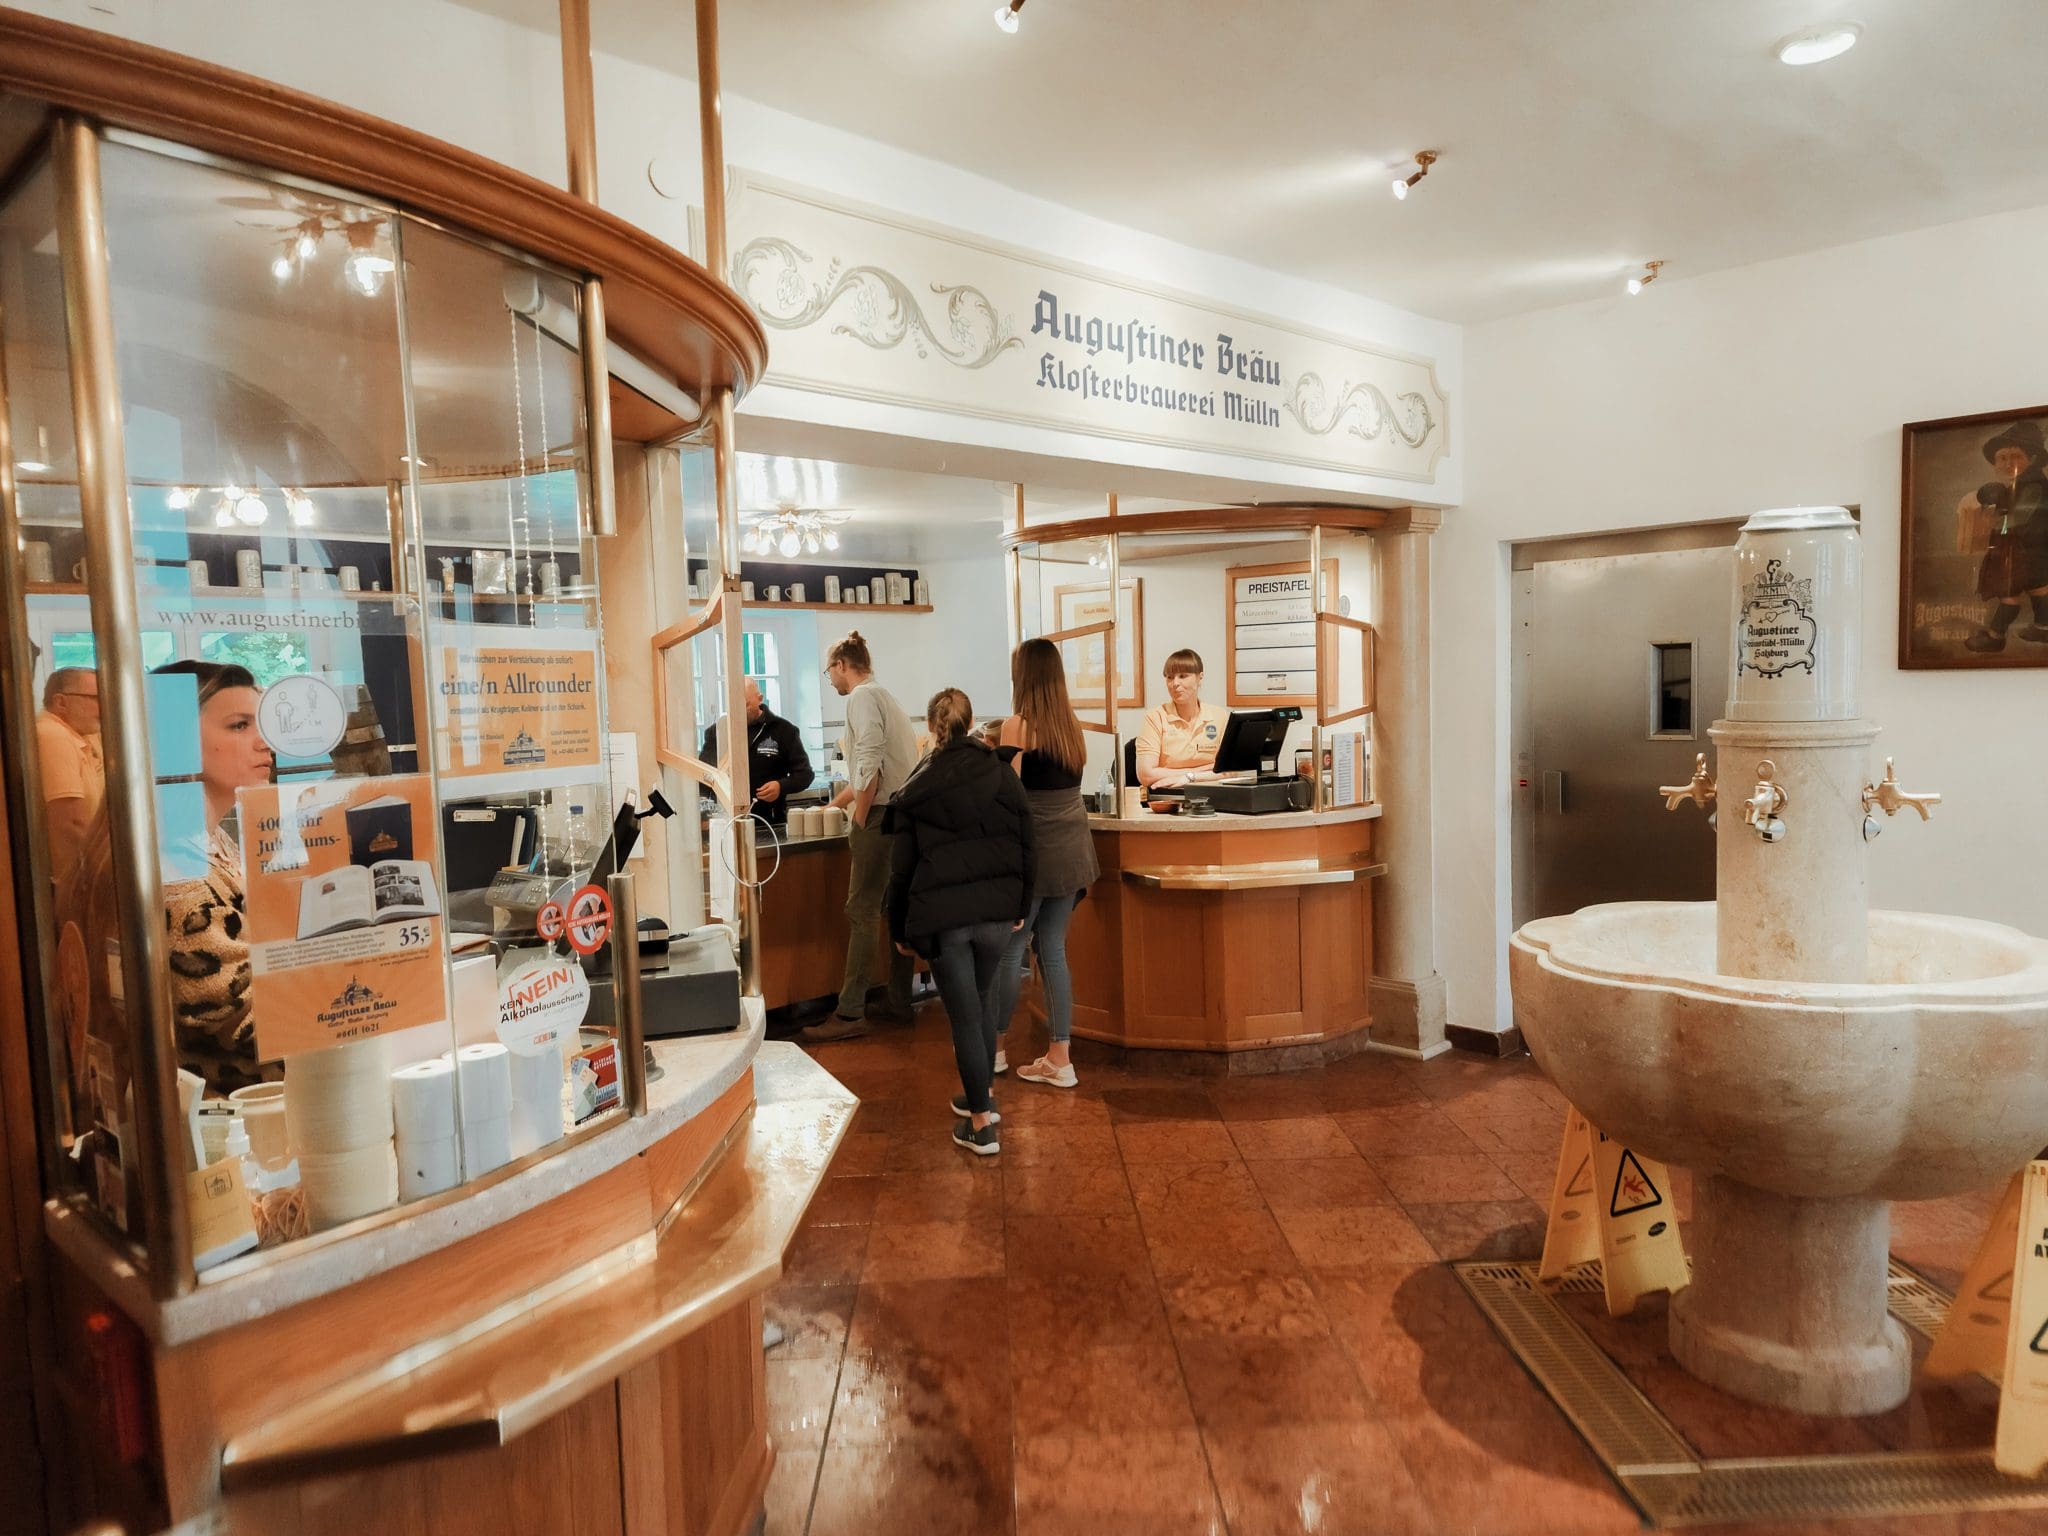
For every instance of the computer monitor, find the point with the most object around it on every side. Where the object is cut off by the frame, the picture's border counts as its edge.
(1252, 741)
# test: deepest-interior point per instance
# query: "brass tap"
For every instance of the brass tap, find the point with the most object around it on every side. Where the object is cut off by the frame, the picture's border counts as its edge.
(1761, 809)
(1700, 791)
(1890, 797)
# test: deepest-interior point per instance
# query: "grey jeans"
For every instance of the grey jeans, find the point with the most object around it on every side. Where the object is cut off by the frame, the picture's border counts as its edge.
(871, 849)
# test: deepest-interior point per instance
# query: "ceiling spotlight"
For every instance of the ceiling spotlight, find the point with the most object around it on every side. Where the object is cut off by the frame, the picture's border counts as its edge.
(1422, 162)
(1006, 18)
(1819, 45)
(1649, 275)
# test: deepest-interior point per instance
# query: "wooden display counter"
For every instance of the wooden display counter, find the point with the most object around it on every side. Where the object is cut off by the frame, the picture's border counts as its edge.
(542, 1359)
(803, 923)
(1228, 934)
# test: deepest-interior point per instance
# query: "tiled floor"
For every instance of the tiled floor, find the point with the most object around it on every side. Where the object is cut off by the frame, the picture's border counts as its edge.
(1181, 1306)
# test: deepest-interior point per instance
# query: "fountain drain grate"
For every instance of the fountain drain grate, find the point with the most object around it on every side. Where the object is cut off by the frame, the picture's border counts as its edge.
(1668, 1480)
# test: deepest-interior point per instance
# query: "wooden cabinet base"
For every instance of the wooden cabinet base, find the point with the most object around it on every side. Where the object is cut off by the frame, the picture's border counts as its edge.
(1274, 967)
(678, 1446)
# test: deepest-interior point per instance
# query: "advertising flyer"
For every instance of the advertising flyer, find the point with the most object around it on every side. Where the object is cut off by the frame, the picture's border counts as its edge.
(516, 708)
(346, 932)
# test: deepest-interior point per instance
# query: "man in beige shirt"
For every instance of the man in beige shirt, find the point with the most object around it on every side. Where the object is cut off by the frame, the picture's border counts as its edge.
(1181, 736)
(74, 775)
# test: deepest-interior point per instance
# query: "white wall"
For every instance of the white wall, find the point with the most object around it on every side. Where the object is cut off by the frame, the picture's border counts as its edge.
(1766, 386)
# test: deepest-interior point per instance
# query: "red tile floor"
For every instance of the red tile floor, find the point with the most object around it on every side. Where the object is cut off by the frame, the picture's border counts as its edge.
(1184, 1306)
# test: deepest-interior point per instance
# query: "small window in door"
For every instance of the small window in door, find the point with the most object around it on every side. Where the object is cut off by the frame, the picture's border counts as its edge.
(1671, 671)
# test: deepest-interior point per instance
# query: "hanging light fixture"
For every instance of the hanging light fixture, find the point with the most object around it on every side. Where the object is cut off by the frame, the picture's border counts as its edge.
(1006, 17)
(369, 261)
(791, 531)
(300, 505)
(37, 463)
(178, 499)
(1643, 280)
(251, 510)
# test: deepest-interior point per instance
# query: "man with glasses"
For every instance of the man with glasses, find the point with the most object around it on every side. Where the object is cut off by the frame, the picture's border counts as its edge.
(74, 775)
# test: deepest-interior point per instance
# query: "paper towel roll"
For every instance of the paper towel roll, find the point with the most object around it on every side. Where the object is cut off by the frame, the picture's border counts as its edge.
(486, 1144)
(536, 1100)
(339, 1100)
(486, 1081)
(423, 1101)
(427, 1167)
(340, 1186)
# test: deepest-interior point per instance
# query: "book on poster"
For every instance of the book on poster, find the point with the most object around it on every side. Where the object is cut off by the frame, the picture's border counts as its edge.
(357, 896)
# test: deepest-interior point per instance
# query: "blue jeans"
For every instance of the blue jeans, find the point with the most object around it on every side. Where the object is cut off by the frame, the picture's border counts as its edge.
(1049, 919)
(964, 962)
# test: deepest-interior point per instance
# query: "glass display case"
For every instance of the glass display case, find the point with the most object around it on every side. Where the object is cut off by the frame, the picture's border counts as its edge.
(318, 729)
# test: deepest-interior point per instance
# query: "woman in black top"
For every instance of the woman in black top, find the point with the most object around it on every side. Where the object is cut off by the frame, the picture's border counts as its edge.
(1043, 741)
(961, 879)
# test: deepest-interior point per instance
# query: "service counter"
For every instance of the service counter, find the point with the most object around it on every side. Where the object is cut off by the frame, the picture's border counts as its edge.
(803, 921)
(601, 1307)
(1249, 936)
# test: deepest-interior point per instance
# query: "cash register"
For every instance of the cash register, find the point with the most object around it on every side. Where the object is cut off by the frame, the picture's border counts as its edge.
(1247, 778)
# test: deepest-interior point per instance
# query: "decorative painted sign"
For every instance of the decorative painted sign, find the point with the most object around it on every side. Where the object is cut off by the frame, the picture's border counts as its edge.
(516, 709)
(345, 929)
(874, 305)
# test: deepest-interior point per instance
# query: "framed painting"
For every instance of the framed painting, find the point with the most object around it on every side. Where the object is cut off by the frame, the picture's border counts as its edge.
(1087, 668)
(1973, 541)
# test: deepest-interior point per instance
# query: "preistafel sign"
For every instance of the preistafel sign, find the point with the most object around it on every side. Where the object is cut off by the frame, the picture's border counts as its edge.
(874, 305)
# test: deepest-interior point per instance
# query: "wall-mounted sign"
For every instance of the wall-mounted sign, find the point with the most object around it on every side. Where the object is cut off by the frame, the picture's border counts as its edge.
(1270, 639)
(877, 306)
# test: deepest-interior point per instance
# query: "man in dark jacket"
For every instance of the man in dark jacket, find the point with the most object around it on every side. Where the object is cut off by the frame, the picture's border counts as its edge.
(777, 765)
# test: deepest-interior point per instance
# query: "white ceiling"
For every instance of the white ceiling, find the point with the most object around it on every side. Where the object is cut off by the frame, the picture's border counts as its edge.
(1579, 139)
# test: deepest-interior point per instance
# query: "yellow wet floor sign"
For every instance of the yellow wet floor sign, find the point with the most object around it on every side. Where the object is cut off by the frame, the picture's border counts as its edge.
(1611, 1203)
(1973, 1337)
(2023, 1406)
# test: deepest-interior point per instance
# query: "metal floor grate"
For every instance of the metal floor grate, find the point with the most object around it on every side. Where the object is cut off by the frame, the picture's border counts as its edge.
(1668, 1480)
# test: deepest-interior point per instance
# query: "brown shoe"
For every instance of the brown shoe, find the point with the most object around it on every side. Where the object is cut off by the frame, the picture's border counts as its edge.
(826, 1031)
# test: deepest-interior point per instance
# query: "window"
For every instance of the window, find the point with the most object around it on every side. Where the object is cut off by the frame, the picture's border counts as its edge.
(269, 654)
(76, 649)
(1671, 690)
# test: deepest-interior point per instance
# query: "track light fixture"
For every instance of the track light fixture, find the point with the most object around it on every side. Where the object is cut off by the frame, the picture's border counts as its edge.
(1006, 18)
(1649, 275)
(1423, 160)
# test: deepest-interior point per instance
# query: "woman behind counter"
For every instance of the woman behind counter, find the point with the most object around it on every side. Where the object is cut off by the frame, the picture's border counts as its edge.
(1182, 735)
(209, 956)
(1042, 740)
(960, 885)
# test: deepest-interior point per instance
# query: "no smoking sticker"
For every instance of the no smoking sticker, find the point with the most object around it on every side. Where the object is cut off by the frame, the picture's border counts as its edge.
(589, 919)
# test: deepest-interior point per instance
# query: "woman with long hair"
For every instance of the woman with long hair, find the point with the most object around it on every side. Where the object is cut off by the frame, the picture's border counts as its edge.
(960, 884)
(1042, 740)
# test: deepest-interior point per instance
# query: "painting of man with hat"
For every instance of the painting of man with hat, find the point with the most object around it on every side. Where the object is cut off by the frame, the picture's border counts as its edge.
(1975, 592)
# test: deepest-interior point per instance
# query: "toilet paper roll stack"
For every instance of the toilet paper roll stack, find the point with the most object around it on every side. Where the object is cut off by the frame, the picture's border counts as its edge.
(536, 1099)
(423, 1125)
(486, 1073)
(337, 1109)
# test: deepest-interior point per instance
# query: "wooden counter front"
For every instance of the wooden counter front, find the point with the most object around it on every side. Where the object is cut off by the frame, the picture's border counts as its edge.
(803, 923)
(1225, 934)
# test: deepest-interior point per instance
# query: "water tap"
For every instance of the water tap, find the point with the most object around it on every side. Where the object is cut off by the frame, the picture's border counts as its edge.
(1888, 797)
(1761, 809)
(1700, 791)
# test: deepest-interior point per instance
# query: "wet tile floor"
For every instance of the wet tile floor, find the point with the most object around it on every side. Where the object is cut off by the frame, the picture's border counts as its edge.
(1184, 1306)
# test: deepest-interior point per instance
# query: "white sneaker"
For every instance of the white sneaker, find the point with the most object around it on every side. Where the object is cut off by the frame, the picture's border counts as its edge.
(1002, 1062)
(1043, 1071)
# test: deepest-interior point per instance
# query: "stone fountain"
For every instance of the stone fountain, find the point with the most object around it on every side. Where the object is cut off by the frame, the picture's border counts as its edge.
(1809, 1059)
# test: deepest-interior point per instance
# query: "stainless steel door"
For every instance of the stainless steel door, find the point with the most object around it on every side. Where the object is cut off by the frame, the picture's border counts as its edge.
(1626, 666)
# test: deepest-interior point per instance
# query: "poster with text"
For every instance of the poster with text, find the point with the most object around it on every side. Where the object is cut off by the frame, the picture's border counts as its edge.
(516, 708)
(347, 936)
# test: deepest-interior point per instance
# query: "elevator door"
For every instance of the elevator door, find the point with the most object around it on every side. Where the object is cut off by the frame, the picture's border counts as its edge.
(1626, 667)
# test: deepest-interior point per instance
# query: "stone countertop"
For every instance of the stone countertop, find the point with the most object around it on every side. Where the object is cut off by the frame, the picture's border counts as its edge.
(695, 1070)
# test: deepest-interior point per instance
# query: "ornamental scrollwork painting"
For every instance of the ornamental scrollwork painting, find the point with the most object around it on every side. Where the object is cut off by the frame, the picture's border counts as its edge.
(1375, 414)
(882, 313)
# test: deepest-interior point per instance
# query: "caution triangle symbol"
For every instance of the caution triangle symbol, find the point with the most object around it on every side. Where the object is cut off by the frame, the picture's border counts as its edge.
(2040, 1344)
(1633, 1188)
(1581, 1181)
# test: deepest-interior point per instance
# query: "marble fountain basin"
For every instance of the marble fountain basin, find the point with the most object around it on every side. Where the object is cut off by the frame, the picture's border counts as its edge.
(1928, 1079)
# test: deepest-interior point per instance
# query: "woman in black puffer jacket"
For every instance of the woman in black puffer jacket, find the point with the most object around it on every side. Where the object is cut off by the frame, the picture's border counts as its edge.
(960, 883)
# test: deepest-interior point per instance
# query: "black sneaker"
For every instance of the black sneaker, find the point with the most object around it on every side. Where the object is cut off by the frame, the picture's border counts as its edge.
(959, 1108)
(981, 1143)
